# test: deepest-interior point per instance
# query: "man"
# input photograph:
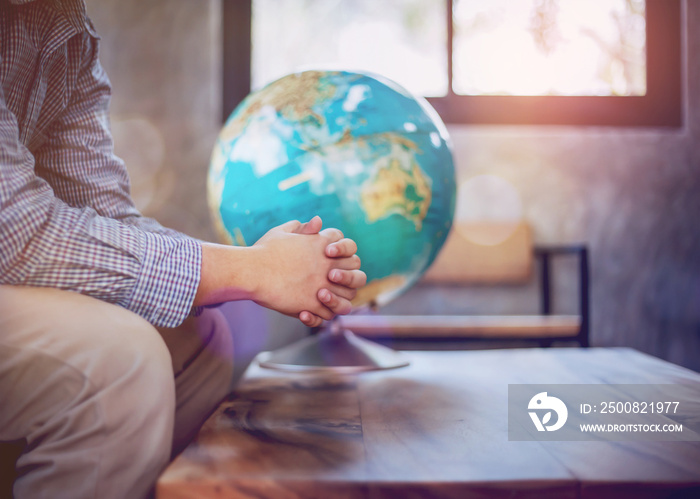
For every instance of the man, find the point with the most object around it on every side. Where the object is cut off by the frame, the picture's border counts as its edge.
(101, 397)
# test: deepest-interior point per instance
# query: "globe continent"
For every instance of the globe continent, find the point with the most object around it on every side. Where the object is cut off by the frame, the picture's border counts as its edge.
(357, 149)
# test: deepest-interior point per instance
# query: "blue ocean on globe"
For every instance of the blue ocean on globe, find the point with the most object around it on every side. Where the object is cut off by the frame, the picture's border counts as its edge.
(355, 148)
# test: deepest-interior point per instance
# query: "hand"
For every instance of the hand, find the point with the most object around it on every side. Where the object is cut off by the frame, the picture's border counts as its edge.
(297, 269)
(315, 264)
(346, 274)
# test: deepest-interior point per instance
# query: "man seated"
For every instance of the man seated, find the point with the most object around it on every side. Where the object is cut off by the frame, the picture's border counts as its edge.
(111, 354)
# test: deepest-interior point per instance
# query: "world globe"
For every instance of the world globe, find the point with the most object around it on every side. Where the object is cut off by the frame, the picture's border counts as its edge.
(355, 148)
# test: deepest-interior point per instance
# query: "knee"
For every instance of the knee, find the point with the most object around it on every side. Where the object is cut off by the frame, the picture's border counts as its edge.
(88, 380)
(136, 402)
(134, 370)
(128, 378)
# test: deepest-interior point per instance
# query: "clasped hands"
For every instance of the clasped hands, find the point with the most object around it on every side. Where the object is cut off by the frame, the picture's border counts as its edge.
(298, 269)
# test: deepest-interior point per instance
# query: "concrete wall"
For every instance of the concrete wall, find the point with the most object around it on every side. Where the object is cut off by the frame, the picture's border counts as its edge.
(632, 195)
(163, 58)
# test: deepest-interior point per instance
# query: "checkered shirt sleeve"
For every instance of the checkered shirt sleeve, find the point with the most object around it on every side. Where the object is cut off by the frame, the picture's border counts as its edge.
(66, 217)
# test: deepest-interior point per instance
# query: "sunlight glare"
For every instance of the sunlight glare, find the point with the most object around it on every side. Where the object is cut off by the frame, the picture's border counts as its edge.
(549, 47)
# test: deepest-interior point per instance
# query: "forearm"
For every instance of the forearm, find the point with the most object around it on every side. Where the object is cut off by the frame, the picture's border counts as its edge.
(151, 225)
(153, 276)
(283, 277)
(227, 274)
(46, 242)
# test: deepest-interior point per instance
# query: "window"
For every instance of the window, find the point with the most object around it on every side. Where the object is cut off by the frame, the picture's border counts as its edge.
(576, 62)
(403, 40)
(549, 47)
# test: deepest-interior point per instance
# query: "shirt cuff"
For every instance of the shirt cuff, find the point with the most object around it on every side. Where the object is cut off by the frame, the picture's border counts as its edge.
(168, 280)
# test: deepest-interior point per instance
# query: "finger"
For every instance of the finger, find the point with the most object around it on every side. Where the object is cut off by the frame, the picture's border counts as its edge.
(344, 247)
(332, 234)
(336, 304)
(291, 226)
(309, 319)
(342, 291)
(354, 279)
(313, 226)
(346, 263)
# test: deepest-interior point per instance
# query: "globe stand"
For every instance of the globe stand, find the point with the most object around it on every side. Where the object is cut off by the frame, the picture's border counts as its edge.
(334, 349)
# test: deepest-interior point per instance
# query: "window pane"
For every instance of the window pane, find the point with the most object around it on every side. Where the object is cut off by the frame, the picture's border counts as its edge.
(404, 40)
(549, 47)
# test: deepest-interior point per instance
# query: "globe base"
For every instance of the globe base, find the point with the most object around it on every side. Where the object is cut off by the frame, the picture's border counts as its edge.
(334, 349)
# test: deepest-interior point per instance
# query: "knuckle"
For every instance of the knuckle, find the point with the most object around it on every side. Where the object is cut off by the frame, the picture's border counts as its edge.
(349, 278)
(333, 302)
(344, 277)
(362, 278)
(334, 233)
(310, 320)
(291, 226)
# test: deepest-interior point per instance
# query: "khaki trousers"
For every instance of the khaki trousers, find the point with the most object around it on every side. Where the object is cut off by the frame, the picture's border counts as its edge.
(102, 398)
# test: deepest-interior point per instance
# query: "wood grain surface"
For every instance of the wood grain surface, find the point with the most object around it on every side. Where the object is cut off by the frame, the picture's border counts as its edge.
(437, 428)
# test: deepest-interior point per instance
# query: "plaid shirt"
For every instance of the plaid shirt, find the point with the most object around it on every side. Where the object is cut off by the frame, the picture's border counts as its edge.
(67, 220)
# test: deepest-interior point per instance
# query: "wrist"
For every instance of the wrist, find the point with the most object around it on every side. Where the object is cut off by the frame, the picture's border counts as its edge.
(226, 275)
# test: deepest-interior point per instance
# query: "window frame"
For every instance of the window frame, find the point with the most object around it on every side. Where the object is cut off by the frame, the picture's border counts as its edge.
(661, 106)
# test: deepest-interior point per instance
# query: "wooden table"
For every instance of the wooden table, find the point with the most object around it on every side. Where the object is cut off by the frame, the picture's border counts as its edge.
(437, 428)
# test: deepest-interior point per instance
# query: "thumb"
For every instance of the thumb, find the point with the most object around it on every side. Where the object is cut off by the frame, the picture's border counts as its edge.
(291, 226)
(313, 226)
